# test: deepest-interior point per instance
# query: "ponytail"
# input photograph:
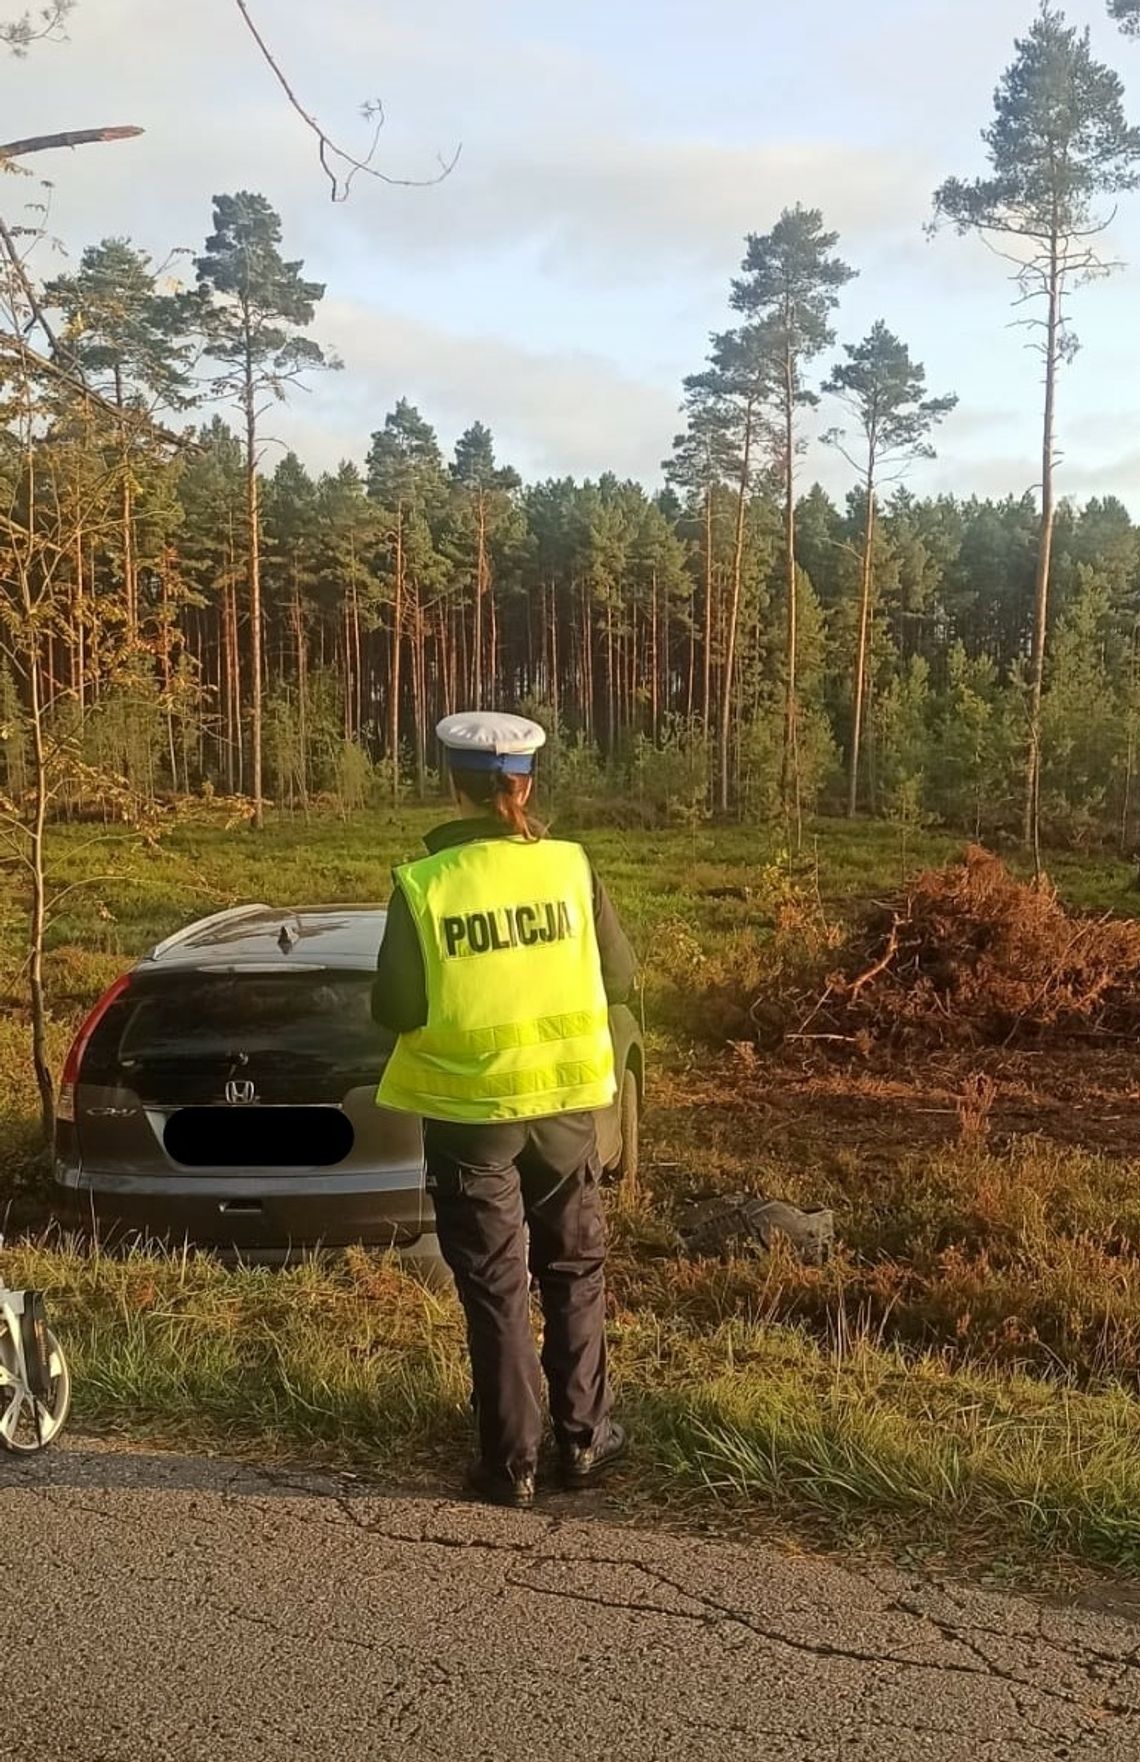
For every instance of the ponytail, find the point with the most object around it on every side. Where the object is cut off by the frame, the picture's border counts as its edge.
(503, 795)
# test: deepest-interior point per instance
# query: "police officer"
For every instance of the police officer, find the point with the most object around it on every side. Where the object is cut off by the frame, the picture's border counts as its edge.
(501, 956)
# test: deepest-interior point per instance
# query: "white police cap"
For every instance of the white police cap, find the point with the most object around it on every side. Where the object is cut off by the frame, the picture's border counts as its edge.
(486, 740)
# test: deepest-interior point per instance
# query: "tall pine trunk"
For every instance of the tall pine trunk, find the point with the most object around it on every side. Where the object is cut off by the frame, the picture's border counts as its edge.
(706, 710)
(729, 680)
(1032, 818)
(611, 710)
(166, 665)
(790, 765)
(860, 682)
(554, 679)
(79, 617)
(253, 526)
(394, 672)
(235, 744)
(127, 515)
(654, 666)
(419, 691)
(302, 695)
(480, 589)
(691, 683)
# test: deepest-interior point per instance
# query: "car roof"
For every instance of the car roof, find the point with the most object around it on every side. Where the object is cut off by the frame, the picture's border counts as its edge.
(270, 939)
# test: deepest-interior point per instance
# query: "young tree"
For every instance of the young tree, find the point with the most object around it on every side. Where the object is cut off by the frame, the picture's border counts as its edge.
(257, 301)
(788, 290)
(1058, 145)
(885, 392)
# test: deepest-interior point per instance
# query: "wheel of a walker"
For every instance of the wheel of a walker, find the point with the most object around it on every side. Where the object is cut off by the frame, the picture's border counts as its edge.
(27, 1425)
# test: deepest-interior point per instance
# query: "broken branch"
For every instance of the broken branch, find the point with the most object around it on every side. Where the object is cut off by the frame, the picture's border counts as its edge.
(77, 137)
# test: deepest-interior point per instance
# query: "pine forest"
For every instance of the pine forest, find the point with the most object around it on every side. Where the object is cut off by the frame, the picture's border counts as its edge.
(187, 610)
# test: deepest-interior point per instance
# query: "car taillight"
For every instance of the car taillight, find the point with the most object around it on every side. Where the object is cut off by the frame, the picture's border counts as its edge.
(65, 1103)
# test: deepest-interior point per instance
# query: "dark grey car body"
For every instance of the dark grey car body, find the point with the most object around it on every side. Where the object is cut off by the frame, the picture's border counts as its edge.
(226, 1096)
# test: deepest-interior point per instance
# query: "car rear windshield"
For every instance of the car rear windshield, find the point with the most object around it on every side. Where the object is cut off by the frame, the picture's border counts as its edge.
(274, 1028)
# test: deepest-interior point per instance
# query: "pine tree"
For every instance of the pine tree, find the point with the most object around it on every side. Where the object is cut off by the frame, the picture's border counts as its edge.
(211, 489)
(1059, 144)
(406, 481)
(788, 290)
(257, 302)
(885, 392)
(348, 588)
(483, 508)
(729, 400)
(701, 466)
(133, 342)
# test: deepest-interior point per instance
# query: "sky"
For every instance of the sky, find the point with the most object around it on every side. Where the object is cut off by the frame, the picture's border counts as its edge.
(560, 283)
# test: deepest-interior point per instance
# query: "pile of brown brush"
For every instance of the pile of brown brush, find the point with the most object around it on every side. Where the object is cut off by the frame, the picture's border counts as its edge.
(970, 956)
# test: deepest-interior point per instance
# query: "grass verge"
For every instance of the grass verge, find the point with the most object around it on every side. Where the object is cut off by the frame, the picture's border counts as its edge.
(963, 1376)
(356, 1363)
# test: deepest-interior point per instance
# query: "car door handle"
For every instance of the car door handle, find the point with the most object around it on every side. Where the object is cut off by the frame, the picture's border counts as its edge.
(240, 1207)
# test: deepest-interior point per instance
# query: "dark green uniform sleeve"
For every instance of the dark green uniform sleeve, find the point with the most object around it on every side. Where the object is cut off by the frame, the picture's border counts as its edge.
(619, 964)
(399, 990)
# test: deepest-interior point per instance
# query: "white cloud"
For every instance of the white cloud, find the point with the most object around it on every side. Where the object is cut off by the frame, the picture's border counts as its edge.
(614, 209)
(551, 413)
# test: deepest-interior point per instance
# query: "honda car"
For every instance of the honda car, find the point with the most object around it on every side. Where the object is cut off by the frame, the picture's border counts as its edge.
(222, 1094)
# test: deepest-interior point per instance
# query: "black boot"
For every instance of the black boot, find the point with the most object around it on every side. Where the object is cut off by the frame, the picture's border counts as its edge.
(498, 1486)
(582, 1465)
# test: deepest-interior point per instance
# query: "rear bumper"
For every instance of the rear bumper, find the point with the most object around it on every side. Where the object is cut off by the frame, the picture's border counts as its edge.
(267, 1223)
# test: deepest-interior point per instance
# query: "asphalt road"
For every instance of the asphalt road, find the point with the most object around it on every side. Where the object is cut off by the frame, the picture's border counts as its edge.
(166, 1609)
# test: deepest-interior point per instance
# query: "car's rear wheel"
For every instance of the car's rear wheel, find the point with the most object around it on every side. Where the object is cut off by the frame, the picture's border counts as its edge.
(27, 1425)
(629, 1163)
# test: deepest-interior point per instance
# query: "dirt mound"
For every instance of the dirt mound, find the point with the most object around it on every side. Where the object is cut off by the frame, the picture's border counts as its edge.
(969, 955)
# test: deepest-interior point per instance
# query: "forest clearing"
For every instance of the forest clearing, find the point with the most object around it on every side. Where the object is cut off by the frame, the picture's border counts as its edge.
(958, 1379)
(845, 710)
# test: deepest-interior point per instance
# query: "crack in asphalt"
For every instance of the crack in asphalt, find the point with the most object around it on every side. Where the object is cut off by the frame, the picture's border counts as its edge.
(711, 1612)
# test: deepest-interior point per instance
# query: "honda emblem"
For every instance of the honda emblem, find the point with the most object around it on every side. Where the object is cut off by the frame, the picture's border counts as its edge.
(241, 1094)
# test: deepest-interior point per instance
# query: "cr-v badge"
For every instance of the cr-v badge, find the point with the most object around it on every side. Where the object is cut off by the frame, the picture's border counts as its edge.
(240, 1094)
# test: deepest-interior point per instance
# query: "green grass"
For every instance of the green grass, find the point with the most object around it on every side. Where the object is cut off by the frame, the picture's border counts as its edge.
(961, 1377)
(358, 1364)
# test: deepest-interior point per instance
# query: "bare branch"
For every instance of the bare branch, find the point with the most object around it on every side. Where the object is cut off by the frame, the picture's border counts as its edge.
(79, 137)
(339, 166)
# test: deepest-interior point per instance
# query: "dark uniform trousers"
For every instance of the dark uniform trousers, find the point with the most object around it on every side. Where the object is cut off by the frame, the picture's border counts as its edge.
(492, 1185)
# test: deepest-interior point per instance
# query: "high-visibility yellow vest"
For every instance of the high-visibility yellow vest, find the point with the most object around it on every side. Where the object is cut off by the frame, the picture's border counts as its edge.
(518, 1026)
